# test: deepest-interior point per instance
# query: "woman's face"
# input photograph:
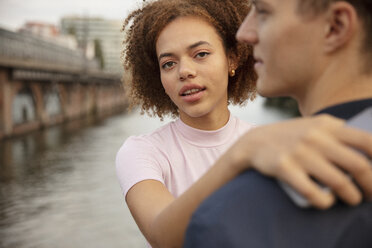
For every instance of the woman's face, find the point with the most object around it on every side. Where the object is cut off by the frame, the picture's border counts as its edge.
(193, 68)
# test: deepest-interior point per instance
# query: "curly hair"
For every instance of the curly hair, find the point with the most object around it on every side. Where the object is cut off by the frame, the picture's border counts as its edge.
(142, 28)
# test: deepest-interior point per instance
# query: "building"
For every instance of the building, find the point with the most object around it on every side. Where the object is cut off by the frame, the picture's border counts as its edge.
(40, 29)
(49, 32)
(102, 35)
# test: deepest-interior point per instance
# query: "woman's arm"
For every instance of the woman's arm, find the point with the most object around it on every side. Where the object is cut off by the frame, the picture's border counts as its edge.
(163, 219)
(291, 151)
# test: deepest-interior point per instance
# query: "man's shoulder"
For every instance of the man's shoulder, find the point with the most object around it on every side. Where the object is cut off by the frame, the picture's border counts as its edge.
(362, 120)
(253, 211)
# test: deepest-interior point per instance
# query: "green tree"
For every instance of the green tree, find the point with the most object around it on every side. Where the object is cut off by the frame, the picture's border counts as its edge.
(99, 53)
(72, 31)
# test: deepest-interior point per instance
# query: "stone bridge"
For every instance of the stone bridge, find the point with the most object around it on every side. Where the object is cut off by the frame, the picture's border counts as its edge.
(43, 84)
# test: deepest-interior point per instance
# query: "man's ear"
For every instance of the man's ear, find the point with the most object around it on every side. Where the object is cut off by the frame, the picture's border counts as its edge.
(341, 26)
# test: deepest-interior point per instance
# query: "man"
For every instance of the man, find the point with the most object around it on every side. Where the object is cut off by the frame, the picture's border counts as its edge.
(320, 53)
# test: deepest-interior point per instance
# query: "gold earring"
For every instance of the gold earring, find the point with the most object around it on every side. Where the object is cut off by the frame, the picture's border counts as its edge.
(232, 73)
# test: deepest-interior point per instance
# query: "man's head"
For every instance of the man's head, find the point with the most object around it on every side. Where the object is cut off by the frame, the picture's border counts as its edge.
(299, 44)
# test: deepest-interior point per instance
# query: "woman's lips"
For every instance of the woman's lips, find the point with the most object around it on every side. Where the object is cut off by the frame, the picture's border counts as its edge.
(193, 95)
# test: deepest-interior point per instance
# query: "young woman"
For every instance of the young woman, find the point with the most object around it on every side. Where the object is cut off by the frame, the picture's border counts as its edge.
(184, 61)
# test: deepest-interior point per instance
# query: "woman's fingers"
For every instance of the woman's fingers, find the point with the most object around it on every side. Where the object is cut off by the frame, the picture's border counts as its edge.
(358, 161)
(356, 138)
(332, 164)
(326, 173)
(339, 162)
(300, 181)
(322, 148)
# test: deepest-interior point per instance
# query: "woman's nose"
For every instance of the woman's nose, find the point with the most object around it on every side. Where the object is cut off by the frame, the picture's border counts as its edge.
(186, 69)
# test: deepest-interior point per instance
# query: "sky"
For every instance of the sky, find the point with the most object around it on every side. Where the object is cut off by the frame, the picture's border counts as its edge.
(14, 13)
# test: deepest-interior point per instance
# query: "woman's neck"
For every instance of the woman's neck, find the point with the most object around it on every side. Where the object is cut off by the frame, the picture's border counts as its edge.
(211, 121)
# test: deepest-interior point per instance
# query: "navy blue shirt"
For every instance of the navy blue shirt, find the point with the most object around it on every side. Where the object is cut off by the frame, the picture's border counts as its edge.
(253, 211)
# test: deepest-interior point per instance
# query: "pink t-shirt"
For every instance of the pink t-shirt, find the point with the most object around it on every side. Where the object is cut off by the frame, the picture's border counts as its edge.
(175, 154)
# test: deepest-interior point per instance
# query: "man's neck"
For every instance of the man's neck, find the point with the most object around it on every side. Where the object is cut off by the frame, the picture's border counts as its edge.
(335, 87)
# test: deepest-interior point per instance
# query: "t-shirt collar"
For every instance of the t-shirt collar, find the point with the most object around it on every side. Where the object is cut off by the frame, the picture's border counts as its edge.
(348, 109)
(205, 138)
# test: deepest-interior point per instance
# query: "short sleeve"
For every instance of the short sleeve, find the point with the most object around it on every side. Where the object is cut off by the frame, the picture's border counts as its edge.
(138, 160)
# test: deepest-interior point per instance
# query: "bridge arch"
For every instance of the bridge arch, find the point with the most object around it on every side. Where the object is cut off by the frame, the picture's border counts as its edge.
(52, 100)
(24, 106)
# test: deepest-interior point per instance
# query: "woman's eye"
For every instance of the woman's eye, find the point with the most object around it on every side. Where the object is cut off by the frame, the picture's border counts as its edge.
(202, 54)
(168, 65)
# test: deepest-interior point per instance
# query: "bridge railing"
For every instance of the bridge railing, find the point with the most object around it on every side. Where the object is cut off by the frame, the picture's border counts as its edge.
(27, 47)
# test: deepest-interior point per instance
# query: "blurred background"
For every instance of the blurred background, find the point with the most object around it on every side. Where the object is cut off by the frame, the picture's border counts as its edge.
(62, 119)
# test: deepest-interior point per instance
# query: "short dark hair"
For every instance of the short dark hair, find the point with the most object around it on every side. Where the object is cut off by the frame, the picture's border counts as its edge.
(363, 8)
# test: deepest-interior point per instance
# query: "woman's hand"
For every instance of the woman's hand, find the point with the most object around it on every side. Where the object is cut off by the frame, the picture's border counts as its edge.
(320, 147)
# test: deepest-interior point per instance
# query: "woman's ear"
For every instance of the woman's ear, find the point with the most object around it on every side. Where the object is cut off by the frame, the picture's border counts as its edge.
(233, 60)
(341, 25)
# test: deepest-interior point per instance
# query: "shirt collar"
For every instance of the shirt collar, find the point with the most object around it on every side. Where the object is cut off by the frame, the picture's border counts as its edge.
(204, 138)
(348, 109)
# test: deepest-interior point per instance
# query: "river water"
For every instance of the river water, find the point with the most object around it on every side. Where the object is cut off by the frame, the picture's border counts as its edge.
(58, 186)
